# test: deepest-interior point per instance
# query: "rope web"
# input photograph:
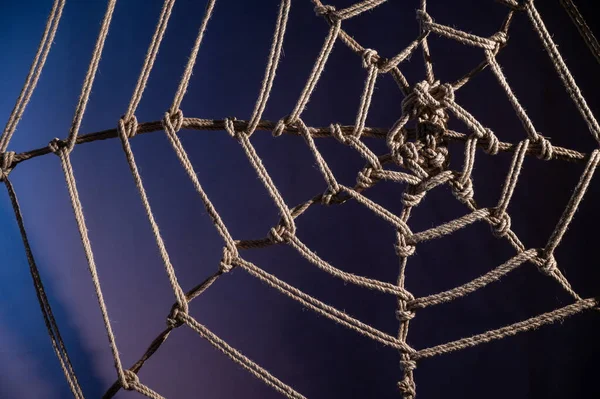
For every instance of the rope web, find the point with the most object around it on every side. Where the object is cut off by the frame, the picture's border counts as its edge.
(417, 143)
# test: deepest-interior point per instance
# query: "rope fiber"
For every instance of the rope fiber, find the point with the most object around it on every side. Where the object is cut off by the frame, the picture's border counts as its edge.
(417, 144)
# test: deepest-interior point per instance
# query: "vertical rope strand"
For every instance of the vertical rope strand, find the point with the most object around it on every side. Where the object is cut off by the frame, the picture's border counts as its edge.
(89, 254)
(34, 73)
(159, 33)
(187, 74)
(88, 82)
(51, 325)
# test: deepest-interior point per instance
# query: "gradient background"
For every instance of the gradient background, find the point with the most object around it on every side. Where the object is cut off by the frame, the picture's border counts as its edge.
(312, 354)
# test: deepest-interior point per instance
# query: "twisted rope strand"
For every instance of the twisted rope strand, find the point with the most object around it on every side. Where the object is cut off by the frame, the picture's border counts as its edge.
(34, 73)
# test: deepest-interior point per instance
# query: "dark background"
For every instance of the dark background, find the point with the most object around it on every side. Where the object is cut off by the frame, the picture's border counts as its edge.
(312, 354)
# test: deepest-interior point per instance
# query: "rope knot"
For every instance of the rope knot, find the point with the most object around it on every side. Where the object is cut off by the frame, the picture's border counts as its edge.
(56, 145)
(226, 263)
(173, 121)
(407, 388)
(278, 234)
(129, 126)
(364, 179)
(425, 18)
(445, 92)
(403, 249)
(492, 141)
(7, 159)
(412, 199)
(434, 159)
(408, 365)
(548, 267)
(419, 98)
(230, 127)
(409, 150)
(336, 131)
(500, 38)
(173, 320)
(328, 12)
(500, 224)
(369, 58)
(405, 315)
(280, 127)
(546, 148)
(131, 378)
(427, 102)
(331, 192)
(462, 190)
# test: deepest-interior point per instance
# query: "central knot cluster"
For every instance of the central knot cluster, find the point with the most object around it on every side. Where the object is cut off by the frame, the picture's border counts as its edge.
(427, 103)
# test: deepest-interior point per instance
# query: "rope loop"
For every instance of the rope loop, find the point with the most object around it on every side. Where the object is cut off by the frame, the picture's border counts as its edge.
(280, 127)
(364, 179)
(130, 380)
(56, 145)
(278, 234)
(230, 127)
(492, 147)
(173, 121)
(405, 315)
(501, 38)
(336, 131)
(369, 58)
(403, 249)
(226, 264)
(500, 224)
(128, 126)
(462, 190)
(546, 148)
(549, 265)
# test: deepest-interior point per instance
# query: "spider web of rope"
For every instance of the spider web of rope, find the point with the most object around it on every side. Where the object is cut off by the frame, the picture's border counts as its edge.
(417, 143)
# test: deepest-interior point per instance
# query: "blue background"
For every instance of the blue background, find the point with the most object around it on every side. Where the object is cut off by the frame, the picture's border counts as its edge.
(313, 355)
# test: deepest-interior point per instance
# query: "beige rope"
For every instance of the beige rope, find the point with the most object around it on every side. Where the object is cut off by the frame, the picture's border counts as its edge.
(51, 325)
(89, 254)
(88, 82)
(583, 28)
(562, 70)
(513, 329)
(420, 151)
(34, 73)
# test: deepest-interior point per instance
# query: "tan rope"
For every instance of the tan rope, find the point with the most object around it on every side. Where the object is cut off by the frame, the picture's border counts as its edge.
(562, 70)
(420, 151)
(583, 28)
(89, 254)
(513, 329)
(155, 42)
(239, 358)
(51, 325)
(187, 74)
(34, 73)
(88, 82)
(179, 294)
